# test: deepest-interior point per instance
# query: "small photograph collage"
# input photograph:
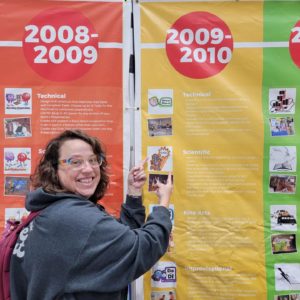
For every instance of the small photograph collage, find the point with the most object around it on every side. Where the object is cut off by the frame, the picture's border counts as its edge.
(163, 277)
(283, 159)
(17, 127)
(160, 163)
(282, 180)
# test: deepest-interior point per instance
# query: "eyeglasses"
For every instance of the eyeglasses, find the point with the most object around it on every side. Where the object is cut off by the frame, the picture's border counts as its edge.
(77, 163)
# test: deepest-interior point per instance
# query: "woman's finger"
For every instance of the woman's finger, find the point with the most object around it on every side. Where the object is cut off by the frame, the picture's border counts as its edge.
(169, 180)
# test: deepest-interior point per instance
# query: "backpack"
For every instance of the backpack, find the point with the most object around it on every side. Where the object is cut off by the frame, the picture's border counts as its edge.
(7, 244)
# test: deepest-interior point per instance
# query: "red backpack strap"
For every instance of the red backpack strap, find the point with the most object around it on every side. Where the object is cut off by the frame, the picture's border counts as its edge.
(29, 218)
(7, 245)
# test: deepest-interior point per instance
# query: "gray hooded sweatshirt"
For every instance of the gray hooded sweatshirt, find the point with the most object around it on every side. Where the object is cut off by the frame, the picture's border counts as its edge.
(74, 250)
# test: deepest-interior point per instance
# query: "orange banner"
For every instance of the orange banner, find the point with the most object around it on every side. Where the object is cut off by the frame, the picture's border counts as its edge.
(61, 68)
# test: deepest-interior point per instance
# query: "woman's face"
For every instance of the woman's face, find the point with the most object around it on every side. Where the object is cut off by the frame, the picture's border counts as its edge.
(81, 179)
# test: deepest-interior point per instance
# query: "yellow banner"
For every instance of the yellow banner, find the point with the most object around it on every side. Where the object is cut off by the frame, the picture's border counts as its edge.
(200, 91)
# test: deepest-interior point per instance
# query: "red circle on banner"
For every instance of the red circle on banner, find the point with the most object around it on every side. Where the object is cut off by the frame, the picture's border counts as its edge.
(294, 44)
(60, 44)
(199, 45)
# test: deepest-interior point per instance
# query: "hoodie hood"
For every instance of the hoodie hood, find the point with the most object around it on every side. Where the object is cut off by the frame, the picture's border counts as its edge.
(38, 199)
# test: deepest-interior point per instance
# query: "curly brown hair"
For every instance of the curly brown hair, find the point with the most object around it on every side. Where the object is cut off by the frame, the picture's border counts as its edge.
(45, 174)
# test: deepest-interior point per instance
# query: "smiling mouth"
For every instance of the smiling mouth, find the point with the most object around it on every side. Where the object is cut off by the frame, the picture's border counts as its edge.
(86, 180)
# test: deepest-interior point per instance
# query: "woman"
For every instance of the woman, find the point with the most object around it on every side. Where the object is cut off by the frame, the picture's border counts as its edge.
(73, 249)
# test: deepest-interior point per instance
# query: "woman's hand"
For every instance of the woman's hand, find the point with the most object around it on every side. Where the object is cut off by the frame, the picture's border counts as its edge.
(136, 179)
(164, 191)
